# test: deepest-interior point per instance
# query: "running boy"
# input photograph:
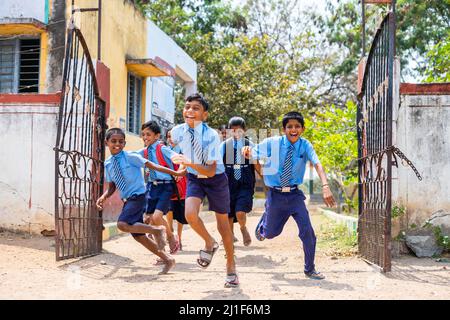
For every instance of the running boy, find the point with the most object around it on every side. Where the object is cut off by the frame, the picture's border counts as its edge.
(241, 176)
(206, 177)
(283, 170)
(160, 185)
(123, 171)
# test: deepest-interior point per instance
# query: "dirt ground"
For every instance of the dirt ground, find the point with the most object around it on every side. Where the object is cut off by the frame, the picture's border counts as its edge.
(271, 269)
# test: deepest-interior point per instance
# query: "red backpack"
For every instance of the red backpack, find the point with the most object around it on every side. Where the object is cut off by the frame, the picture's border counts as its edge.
(180, 191)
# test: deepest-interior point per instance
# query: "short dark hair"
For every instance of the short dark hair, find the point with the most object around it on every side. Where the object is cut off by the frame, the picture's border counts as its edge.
(113, 131)
(236, 121)
(222, 127)
(293, 115)
(152, 125)
(198, 97)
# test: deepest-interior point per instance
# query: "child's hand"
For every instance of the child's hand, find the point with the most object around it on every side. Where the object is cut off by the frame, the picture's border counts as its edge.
(100, 202)
(328, 197)
(147, 218)
(180, 159)
(247, 152)
(180, 173)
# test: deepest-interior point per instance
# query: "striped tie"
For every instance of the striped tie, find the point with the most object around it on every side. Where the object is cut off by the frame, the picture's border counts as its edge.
(197, 148)
(286, 174)
(119, 178)
(237, 160)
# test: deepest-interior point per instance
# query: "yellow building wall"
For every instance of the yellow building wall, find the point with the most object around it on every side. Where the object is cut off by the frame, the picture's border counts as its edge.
(123, 35)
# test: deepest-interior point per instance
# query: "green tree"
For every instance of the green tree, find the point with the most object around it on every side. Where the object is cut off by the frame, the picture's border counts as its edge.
(438, 69)
(420, 26)
(332, 131)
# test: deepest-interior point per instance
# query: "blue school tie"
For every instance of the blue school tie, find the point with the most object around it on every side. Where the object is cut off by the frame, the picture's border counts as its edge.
(286, 174)
(196, 147)
(119, 178)
(237, 160)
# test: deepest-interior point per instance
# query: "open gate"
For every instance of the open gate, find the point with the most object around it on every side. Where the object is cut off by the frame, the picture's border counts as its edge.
(79, 155)
(375, 149)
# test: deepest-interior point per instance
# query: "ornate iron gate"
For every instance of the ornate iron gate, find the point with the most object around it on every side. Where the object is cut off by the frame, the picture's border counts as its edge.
(79, 155)
(375, 148)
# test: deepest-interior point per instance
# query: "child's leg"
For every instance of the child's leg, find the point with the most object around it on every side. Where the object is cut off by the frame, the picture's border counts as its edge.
(151, 245)
(157, 231)
(179, 232)
(242, 219)
(277, 213)
(227, 236)
(158, 219)
(169, 217)
(231, 222)
(306, 234)
(192, 211)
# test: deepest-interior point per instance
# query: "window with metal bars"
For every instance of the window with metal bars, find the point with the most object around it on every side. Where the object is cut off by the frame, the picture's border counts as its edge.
(134, 104)
(19, 65)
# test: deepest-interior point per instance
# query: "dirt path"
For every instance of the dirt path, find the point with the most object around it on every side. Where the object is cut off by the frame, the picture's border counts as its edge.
(271, 269)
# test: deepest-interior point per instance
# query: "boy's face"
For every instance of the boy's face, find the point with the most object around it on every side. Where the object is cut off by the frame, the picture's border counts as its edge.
(293, 130)
(238, 132)
(116, 143)
(169, 139)
(193, 113)
(149, 137)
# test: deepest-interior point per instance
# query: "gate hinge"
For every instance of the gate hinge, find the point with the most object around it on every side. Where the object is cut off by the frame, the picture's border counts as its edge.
(396, 151)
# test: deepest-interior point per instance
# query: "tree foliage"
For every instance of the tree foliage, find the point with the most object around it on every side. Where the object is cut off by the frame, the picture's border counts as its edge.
(438, 69)
(420, 26)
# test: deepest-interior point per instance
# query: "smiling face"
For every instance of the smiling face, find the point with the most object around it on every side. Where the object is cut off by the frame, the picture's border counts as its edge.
(194, 113)
(116, 143)
(238, 132)
(149, 137)
(293, 130)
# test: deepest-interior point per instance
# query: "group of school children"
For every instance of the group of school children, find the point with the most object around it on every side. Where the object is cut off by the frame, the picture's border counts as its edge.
(195, 164)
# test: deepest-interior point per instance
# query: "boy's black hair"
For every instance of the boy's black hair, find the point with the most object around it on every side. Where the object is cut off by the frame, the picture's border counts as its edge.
(112, 131)
(222, 127)
(198, 97)
(152, 125)
(293, 115)
(236, 121)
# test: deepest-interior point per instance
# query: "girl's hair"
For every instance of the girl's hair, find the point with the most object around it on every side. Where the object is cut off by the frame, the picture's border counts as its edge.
(236, 121)
(113, 131)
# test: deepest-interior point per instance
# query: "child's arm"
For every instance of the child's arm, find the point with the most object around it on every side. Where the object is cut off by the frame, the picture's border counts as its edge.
(154, 166)
(208, 170)
(108, 193)
(258, 168)
(327, 195)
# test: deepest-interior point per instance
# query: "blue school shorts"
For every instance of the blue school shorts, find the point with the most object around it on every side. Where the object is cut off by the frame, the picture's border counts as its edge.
(132, 211)
(158, 197)
(215, 189)
(177, 208)
(241, 199)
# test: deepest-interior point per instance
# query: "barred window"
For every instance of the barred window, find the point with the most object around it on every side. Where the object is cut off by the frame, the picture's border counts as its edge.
(134, 104)
(19, 65)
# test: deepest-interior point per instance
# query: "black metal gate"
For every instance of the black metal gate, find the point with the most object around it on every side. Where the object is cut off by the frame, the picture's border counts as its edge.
(375, 149)
(79, 155)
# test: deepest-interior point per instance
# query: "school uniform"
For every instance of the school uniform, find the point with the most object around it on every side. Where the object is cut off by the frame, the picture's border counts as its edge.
(124, 169)
(160, 185)
(284, 168)
(241, 175)
(201, 145)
